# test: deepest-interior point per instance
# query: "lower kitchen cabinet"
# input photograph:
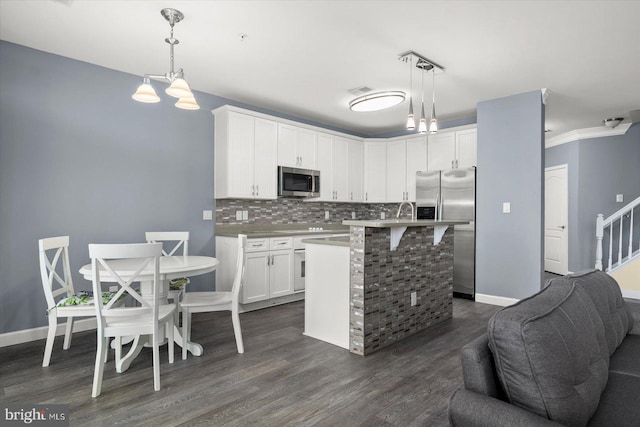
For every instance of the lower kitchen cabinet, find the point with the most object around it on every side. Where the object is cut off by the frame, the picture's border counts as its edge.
(268, 273)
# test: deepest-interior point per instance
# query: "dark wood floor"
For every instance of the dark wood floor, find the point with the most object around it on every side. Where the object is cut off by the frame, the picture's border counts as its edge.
(283, 378)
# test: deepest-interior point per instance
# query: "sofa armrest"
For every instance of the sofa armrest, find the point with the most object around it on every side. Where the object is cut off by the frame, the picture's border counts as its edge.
(633, 305)
(470, 409)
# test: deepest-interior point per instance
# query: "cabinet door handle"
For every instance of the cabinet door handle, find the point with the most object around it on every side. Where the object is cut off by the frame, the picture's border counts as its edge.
(366, 196)
(253, 191)
(351, 195)
(451, 164)
(257, 190)
(457, 164)
(272, 260)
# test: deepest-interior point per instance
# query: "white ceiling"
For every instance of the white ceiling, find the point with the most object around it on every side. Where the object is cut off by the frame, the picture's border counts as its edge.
(302, 57)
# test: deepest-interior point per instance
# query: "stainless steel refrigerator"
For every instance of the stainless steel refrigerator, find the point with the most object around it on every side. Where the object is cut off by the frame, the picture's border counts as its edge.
(451, 195)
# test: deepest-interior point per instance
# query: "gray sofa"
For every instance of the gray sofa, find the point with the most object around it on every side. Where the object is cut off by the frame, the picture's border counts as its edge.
(568, 355)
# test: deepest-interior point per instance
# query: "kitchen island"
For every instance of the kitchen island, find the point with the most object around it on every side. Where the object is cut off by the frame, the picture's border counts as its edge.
(399, 281)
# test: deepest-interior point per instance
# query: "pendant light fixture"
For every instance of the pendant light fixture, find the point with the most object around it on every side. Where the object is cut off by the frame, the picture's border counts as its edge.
(424, 65)
(422, 126)
(179, 88)
(433, 124)
(411, 123)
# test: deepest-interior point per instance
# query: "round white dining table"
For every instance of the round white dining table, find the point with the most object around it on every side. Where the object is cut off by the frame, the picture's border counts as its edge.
(171, 267)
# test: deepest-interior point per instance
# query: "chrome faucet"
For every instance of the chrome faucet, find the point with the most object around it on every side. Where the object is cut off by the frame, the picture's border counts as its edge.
(400, 208)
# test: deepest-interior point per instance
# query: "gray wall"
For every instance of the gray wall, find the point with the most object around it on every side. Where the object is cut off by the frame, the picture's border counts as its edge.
(509, 258)
(598, 169)
(79, 157)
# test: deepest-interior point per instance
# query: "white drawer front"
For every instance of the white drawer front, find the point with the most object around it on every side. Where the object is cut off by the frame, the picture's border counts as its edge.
(276, 243)
(257, 245)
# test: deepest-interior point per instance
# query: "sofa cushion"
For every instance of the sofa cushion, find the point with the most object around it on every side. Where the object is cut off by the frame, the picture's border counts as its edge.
(551, 355)
(607, 297)
(626, 358)
(619, 403)
(478, 368)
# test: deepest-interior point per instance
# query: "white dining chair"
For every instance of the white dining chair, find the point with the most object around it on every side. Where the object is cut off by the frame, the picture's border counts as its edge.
(200, 302)
(56, 281)
(181, 241)
(148, 318)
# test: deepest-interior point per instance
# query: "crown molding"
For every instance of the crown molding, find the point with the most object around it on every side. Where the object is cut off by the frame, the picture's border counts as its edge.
(596, 132)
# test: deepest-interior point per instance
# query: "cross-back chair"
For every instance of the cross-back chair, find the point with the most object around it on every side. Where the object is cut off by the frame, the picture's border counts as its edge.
(181, 239)
(200, 302)
(55, 274)
(140, 261)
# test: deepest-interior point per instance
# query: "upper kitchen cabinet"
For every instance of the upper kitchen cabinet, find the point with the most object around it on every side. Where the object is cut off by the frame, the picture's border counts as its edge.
(356, 171)
(245, 154)
(335, 169)
(404, 159)
(297, 147)
(375, 171)
(452, 150)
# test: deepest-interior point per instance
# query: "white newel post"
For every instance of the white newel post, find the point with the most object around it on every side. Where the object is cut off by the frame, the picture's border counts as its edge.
(599, 234)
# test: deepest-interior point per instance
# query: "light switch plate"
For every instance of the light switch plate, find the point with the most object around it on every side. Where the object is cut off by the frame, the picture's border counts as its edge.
(245, 215)
(382, 215)
(238, 215)
(207, 215)
(506, 207)
(353, 215)
(619, 198)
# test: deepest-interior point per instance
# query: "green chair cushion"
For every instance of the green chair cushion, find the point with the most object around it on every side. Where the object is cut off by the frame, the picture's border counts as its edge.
(86, 298)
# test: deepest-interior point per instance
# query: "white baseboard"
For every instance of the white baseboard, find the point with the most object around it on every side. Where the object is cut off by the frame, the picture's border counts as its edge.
(495, 300)
(34, 334)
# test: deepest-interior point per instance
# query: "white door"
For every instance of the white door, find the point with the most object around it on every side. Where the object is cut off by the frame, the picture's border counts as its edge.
(556, 206)
(307, 146)
(441, 151)
(340, 171)
(266, 146)
(325, 166)
(288, 146)
(256, 277)
(356, 171)
(281, 273)
(396, 171)
(466, 148)
(375, 171)
(416, 161)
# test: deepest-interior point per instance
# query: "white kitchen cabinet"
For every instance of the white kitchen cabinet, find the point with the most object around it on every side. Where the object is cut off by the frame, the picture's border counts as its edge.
(356, 171)
(296, 147)
(268, 267)
(416, 161)
(404, 159)
(452, 150)
(466, 148)
(340, 172)
(245, 150)
(396, 171)
(375, 171)
(255, 286)
(280, 273)
(325, 166)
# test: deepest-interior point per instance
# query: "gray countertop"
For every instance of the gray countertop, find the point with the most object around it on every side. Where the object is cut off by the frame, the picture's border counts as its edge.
(279, 230)
(389, 223)
(331, 241)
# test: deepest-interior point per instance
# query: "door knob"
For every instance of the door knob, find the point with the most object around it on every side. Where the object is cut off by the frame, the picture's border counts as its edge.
(561, 227)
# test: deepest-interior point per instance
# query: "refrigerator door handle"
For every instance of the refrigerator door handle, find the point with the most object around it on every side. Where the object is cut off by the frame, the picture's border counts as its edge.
(436, 213)
(441, 199)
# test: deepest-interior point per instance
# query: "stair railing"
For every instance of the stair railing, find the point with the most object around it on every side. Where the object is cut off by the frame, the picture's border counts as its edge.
(618, 218)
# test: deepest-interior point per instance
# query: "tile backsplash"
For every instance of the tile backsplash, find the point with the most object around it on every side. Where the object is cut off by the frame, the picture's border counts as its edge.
(292, 211)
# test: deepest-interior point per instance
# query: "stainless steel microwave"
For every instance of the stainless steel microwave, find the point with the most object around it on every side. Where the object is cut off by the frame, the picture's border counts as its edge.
(299, 183)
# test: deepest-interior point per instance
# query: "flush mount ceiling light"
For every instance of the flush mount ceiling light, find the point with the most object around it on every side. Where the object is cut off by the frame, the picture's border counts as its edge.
(612, 122)
(377, 101)
(423, 64)
(179, 88)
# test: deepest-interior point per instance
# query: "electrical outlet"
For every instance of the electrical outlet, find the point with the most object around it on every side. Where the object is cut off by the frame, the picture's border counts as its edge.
(414, 299)
(353, 215)
(238, 215)
(382, 215)
(326, 214)
(245, 215)
(207, 215)
(113, 288)
(506, 207)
